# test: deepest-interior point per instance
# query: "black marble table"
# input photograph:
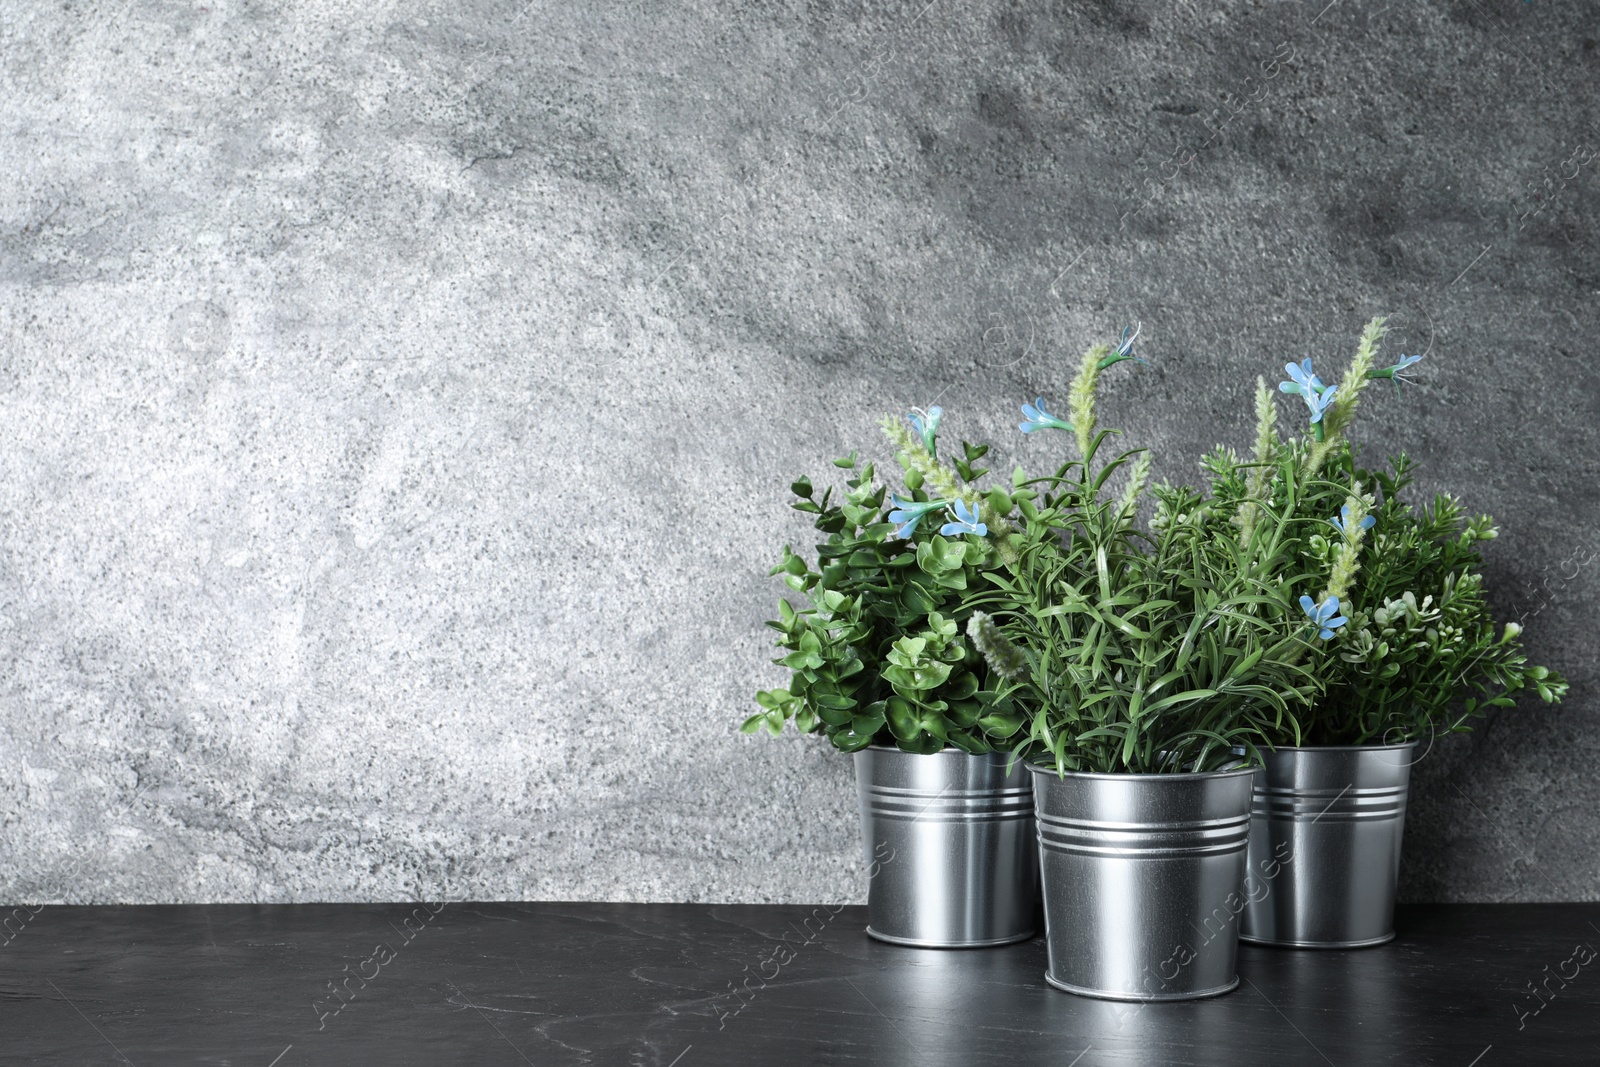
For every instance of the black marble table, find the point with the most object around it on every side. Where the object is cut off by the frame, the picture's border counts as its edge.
(677, 985)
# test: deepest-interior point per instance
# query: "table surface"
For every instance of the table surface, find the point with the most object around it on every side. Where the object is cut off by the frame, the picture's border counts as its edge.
(681, 985)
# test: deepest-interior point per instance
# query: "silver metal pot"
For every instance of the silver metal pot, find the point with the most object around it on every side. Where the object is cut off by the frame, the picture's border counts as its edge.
(1326, 825)
(950, 848)
(1143, 878)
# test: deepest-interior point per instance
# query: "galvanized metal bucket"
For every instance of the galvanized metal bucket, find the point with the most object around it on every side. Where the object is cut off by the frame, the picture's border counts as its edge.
(1143, 878)
(1326, 827)
(950, 848)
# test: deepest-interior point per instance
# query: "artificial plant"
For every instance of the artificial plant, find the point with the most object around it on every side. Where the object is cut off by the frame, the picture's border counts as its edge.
(876, 650)
(1410, 647)
(1134, 651)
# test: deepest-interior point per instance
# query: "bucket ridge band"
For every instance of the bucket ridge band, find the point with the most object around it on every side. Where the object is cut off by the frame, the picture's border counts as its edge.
(944, 813)
(1151, 840)
(893, 792)
(1171, 826)
(1283, 802)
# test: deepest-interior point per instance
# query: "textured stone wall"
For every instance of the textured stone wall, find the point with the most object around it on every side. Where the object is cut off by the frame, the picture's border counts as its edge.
(400, 399)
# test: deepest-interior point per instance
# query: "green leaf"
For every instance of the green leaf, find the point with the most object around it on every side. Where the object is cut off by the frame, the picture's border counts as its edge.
(917, 599)
(908, 681)
(851, 742)
(963, 713)
(902, 719)
(1244, 666)
(1001, 725)
(1123, 624)
(1188, 696)
(801, 660)
(911, 647)
(963, 687)
(870, 721)
(834, 716)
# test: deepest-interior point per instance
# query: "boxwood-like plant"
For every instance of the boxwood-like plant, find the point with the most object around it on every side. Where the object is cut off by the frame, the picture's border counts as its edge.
(876, 650)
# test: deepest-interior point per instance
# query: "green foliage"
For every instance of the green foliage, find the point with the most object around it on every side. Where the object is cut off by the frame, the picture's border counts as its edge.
(1421, 652)
(1141, 653)
(1073, 638)
(877, 651)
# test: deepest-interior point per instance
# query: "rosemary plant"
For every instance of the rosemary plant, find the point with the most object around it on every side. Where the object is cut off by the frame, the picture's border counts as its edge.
(1134, 652)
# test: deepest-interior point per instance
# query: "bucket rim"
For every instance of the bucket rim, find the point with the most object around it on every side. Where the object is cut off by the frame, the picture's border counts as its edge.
(1402, 746)
(1182, 776)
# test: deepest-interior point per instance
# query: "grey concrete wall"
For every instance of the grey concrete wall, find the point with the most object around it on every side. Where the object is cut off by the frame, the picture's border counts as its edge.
(399, 399)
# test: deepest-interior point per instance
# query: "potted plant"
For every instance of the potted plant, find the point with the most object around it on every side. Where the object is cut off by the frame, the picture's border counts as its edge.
(1409, 650)
(1142, 661)
(881, 668)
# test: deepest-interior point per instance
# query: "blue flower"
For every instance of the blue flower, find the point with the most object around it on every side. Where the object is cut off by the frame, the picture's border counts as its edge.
(1324, 616)
(1039, 418)
(1344, 516)
(927, 426)
(1305, 383)
(967, 522)
(1318, 397)
(908, 513)
(1393, 373)
(1320, 404)
(1124, 350)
